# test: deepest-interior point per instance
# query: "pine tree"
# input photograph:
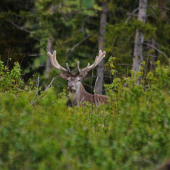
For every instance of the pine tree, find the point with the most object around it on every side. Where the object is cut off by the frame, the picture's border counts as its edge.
(121, 31)
(16, 42)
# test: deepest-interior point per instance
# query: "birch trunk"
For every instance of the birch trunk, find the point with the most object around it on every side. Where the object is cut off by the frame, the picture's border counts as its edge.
(138, 58)
(49, 49)
(48, 62)
(100, 68)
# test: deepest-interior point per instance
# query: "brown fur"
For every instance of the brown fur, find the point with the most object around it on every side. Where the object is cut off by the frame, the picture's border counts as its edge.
(83, 96)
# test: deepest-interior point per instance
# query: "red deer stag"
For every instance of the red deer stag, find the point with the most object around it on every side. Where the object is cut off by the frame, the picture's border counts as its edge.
(77, 93)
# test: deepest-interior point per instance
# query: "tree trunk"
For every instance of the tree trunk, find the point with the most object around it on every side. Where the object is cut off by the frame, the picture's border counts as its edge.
(100, 68)
(138, 58)
(49, 48)
(48, 61)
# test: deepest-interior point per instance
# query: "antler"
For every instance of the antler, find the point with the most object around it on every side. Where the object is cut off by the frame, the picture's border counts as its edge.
(88, 68)
(57, 65)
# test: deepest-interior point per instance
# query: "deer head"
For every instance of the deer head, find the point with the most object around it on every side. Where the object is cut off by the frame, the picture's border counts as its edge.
(74, 80)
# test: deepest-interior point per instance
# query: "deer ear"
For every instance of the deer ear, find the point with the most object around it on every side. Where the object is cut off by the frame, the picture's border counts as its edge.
(84, 75)
(63, 76)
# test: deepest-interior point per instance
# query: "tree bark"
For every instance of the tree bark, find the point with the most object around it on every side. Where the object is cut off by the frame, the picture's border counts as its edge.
(48, 62)
(138, 58)
(49, 48)
(100, 68)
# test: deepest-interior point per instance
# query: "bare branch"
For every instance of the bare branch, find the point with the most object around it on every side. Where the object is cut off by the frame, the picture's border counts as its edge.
(50, 84)
(159, 7)
(132, 14)
(82, 100)
(89, 77)
(37, 86)
(94, 77)
(20, 28)
(157, 50)
(83, 23)
(80, 42)
(124, 65)
(151, 55)
(38, 66)
(95, 92)
(44, 91)
(154, 42)
(35, 54)
(87, 85)
(153, 13)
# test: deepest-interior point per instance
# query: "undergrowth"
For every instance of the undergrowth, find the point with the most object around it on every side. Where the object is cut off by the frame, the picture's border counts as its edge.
(131, 132)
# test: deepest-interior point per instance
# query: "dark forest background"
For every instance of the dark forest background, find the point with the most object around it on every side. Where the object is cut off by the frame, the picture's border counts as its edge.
(28, 29)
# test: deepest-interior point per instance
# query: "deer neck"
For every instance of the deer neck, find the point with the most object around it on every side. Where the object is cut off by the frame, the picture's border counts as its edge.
(77, 97)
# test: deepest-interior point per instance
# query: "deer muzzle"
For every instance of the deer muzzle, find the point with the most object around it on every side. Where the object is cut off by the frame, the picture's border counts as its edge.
(71, 88)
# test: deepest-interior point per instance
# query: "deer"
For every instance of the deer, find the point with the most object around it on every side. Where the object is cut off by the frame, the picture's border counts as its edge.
(77, 93)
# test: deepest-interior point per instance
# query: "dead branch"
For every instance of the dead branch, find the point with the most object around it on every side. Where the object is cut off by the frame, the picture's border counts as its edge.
(132, 14)
(38, 66)
(124, 65)
(157, 50)
(20, 28)
(37, 86)
(95, 92)
(44, 91)
(81, 42)
(83, 23)
(35, 55)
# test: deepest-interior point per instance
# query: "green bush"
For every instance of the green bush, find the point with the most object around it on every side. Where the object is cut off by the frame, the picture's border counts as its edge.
(42, 133)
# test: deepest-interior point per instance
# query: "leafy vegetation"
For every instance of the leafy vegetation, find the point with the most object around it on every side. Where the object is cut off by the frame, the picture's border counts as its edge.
(41, 132)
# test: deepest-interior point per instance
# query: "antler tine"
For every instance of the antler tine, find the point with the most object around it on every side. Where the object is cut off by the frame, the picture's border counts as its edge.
(78, 68)
(68, 68)
(96, 62)
(55, 63)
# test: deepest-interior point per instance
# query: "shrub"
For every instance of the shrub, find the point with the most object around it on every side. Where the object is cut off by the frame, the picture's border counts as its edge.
(131, 132)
